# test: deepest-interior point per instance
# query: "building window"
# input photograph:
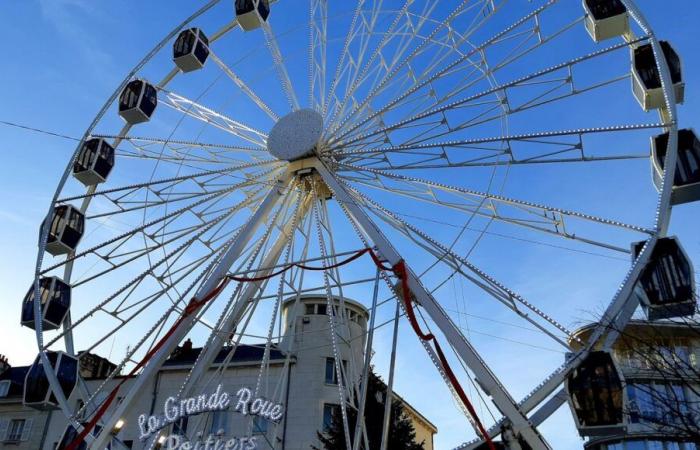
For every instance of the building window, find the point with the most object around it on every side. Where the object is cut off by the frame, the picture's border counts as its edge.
(310, 309)
(4, 388)
(331, 374)
(329, 410)
(259, 425)
(15, 432)
(657, 403)
(219, 422)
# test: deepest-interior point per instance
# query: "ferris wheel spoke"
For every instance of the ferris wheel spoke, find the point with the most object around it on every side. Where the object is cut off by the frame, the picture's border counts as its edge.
(209, 147)
(240, 300)
(133, 284)
(244, 87)
(558, 147)
(393, 31)
(543, 218)
(343, 391)
(198, 237)
(318, 36)
(523, 32)
(136, 309)
(562, 82)
(280, 65)
(477, 276)
(248, 295)
(356, 52)
(190, 155)
(152, 334)
(340, 65)
(400, 64)
(202, 192)
(214, 118)
(163, 220)
(151, 271)
(170, 181)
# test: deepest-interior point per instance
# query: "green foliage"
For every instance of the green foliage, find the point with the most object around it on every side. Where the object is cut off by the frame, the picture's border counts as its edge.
(402, 435)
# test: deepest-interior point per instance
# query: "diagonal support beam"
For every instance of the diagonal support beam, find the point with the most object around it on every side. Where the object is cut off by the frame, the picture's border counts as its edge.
(269, 263)
(487, 379)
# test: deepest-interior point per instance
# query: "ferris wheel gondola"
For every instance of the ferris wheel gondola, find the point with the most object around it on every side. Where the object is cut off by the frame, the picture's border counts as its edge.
(191, 50)
(239, 201)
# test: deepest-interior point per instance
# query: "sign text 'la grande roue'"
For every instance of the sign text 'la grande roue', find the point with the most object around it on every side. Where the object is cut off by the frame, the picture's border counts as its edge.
(243, 402)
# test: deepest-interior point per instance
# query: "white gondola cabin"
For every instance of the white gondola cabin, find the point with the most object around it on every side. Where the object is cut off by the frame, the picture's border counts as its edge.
(667, 282)
(65, 230)
(686, 183)
(94, 162)
(137, 102)
(191, 50)
(37, 390)
(606, 19)
(596, 395)
(55, 303)
(646, 81)
(248, 17)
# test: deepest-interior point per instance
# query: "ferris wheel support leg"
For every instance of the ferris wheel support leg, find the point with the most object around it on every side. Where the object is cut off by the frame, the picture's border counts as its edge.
(213, 348)
(491, 385)
(212, 280)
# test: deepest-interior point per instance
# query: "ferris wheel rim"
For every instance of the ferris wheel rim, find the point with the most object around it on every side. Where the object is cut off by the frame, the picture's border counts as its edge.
(662, 211)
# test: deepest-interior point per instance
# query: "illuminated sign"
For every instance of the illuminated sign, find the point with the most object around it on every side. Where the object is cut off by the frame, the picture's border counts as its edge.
(243, 402)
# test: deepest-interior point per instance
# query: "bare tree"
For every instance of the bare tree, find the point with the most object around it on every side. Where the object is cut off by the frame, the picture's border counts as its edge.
(661, 363)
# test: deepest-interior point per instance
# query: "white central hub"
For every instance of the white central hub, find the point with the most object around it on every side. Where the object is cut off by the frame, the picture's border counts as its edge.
(295, 135)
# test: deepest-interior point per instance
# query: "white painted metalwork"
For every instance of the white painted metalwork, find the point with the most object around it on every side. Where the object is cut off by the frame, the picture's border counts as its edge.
(417, 111)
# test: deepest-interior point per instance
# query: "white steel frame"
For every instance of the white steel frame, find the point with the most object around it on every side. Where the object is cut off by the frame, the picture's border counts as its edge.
(521, 417)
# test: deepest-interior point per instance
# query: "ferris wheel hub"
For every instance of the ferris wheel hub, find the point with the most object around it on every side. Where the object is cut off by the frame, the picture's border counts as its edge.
(295, 135)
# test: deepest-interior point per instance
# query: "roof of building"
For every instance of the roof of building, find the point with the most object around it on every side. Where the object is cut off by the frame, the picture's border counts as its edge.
(187, 355)
(663, 327)
(16, 377)
(183, 355)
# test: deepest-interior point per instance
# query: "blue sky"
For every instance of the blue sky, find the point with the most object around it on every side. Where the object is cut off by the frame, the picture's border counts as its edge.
(63, 58)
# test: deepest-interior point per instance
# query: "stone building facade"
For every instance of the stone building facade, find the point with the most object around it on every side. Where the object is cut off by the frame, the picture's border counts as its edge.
(660, 364)
(304, 356)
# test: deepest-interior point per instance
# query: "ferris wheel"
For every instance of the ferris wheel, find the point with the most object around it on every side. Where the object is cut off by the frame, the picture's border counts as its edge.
(408, 154)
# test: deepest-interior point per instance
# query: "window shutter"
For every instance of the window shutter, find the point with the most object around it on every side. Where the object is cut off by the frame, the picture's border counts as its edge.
(27, 430)
(4, 423)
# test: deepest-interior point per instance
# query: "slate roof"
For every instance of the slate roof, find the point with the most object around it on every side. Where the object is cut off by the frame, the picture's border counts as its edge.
(16, 376)
(243, 354)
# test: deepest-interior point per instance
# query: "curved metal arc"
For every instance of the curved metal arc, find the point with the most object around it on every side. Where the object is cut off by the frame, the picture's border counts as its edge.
(669, 114)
